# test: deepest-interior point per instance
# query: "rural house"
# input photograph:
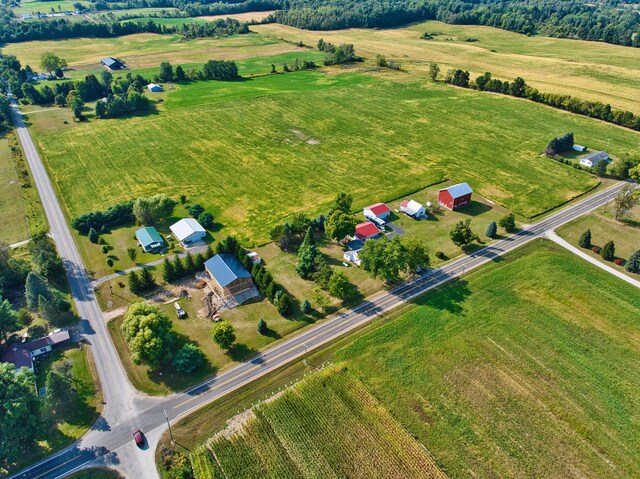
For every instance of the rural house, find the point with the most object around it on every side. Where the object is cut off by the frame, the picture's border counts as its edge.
(154, 88)
(228, 274)
(366, 231)
(150, 239)
(379, 210)
(22, 355)
(455, 196)
(592, 159)
(188, 231)
(413, 208)
(112, 63)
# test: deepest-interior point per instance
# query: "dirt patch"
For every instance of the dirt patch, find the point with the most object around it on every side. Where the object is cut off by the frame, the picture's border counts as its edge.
(303, 137)
(243, 17)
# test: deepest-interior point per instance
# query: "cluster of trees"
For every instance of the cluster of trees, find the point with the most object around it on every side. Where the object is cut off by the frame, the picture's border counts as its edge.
(115, 106)
(5, 112)
(297, 65)
(221, 70)
(150, 336)
(605, 22)
(388, 259)
(204, 217)
(178, 268)
(271, 290)
(560, 144)
(336, 55)
(149, 210)
(290, 235)
(141, 282)
(519, 88)
(624, 201)
(12, 31)
(117, 215)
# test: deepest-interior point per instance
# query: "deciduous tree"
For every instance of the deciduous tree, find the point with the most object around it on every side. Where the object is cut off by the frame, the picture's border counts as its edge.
(434, 71)
(8, 319)
(461, 233)
(339, 225)
(508, 222)
(148, 334)
(188, 358)
(223, 334)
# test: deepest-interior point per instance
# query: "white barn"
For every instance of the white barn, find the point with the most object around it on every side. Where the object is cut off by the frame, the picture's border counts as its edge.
(188, 231)
(154, 87)
(413, 208)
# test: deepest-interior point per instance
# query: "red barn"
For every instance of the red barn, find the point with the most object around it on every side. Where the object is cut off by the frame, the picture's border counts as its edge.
(455, 196)
(366, 230)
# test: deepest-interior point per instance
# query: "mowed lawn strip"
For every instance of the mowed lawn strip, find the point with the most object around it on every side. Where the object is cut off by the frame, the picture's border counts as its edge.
(328, 425)
(390, 139)
(13, 219)
(523, 368)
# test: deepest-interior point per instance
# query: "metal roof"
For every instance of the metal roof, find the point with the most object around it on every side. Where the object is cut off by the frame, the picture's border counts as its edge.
(596, 156)
(148, 236)
(225, 269)
(186, 227)
(110, 62)
(459, 190)
(378, 209)
(366, 230)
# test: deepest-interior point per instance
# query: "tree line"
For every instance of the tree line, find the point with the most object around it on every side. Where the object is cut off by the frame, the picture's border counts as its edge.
(519, 88)
(12, 31)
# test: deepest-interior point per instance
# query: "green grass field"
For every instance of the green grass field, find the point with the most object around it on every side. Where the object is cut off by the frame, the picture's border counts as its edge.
(46, 6)
(625, 234)
(96, 474)
(236, 146)
(521, 369)
(166, 21)
(13, 220)
(588, 70)
(328, 425)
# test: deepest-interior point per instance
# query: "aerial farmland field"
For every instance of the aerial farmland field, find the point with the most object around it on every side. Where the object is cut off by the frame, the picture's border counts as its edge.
(521, 369)
(328, 425)
(235, 146)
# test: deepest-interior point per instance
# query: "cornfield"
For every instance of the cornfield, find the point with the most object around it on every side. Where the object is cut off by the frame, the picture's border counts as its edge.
(327, 426)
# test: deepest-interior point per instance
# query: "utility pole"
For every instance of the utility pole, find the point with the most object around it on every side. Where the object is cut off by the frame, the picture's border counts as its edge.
(169, 424)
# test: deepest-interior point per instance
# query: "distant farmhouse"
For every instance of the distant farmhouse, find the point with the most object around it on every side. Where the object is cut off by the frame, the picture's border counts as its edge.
(366, 230)
(592, 159)
(150, 239)
(229, 276)
(154, 88)
(413, 209)
(188, 231)
(22, 355)
(377, 213)
(455, 196)
(112, 64)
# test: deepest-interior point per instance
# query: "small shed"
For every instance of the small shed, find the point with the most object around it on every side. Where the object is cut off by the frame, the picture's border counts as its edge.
(594, 158)
(112, 63)
(579, 148)
(413, 208)
(228, 274)
(366, 231)
(378, 210)
(154, 88)
(455, 196)
(150, 239)
(188, 231)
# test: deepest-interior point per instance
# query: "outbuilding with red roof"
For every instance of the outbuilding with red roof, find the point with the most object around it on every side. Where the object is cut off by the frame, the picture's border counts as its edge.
(366, 231)
(378, 210)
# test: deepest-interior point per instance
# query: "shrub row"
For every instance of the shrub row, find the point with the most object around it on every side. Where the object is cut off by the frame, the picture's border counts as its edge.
(117, 215)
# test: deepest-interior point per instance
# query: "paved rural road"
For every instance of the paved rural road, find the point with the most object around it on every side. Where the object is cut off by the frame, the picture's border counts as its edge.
(110, 442)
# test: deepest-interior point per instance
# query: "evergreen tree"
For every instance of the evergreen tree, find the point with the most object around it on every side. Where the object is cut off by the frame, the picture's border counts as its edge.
(283, 303)
(59, 390)
(608, 251)
(180, 75)
(135, 286)
(306, 307)
(307, 255)
(146, 279)
(492, 229)
(209, 253)
(189, 264)
(132, 253)
(34, 288)
(262, 327)
(168, 272)
(199, 262)
(48, 310)
(585, 239)
(178, 267)
(633, 263)
(188, 358)
(93, 236)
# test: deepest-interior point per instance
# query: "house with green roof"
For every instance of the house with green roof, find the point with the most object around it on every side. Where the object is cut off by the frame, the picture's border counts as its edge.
(150, 240)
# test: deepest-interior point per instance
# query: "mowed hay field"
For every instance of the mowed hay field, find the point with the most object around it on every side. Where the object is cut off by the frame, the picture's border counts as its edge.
(588, 70)
(13, 217)
(521, 369)
(328, 425)
(256, 151)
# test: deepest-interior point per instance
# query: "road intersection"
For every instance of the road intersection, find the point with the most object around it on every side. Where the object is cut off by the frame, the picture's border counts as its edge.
(109, 442)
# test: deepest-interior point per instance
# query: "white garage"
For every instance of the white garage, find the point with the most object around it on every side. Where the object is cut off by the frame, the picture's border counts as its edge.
(188, 231)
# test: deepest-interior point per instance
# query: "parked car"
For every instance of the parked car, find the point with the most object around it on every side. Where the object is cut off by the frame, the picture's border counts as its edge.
(138, 437)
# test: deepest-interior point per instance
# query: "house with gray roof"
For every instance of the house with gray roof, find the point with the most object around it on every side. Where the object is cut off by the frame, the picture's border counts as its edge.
(596, 157)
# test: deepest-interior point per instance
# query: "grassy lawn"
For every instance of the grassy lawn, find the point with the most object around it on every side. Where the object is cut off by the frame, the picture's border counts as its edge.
(588, 70)
(250, 140)
(625, 234)
(46, 6)
(328, 425)
(507, 374)
(96, 474)
(166, 21)
(61, 429)
(13, 220)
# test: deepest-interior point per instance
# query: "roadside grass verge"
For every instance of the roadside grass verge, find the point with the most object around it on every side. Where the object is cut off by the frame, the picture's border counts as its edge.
(13, 223)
